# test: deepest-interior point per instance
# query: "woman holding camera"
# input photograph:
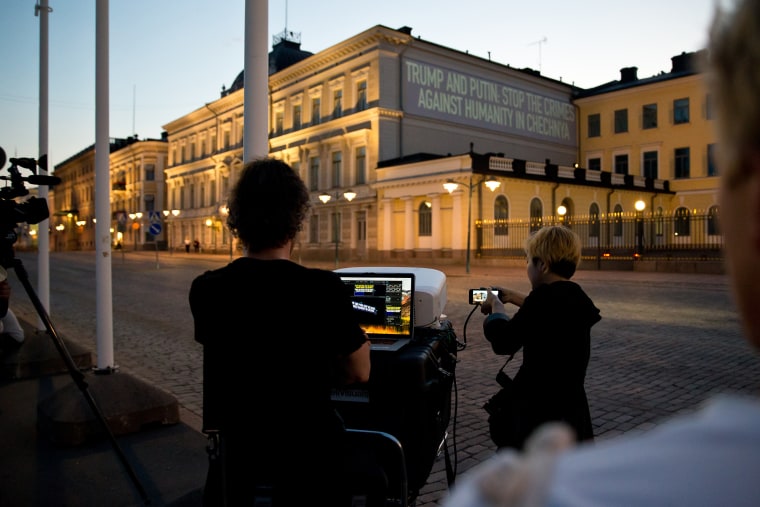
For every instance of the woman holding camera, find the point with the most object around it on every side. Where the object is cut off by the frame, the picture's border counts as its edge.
(553, 329)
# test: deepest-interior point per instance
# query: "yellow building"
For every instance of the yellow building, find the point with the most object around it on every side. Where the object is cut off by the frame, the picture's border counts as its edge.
(413, 150)
(659, 127)
(381, 97)
(137, 187)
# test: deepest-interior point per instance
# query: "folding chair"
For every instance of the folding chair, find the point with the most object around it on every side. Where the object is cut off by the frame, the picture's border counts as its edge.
(388, 455)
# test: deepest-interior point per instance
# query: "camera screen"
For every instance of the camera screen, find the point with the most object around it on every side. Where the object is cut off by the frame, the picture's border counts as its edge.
(478, 296)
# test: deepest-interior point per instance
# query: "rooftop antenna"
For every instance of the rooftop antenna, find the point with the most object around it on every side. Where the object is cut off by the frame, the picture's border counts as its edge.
(539, 42)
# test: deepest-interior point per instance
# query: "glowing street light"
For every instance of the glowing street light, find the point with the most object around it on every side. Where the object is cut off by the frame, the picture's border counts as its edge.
(174, 213)
(348, 195)
(451, 185)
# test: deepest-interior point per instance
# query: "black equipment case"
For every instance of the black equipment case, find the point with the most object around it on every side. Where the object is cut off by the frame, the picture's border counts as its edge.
(408, 396)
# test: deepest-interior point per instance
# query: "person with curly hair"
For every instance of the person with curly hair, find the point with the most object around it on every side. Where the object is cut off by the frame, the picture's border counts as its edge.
(277, 337)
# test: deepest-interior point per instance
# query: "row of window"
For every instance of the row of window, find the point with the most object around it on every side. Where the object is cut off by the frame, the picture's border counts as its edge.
(184, 197)
(649, 117)
(650, 163)
(336, 165)
(204, 143)
(315, 109)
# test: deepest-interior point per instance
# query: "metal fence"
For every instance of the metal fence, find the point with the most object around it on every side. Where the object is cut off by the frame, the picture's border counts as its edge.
(680, 236)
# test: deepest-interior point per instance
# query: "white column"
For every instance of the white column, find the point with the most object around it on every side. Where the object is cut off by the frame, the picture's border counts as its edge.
(256, 81)
(387, 240)
(104, 300)
(457, 231)
(437, 239)
(43, 234)
(409, 224)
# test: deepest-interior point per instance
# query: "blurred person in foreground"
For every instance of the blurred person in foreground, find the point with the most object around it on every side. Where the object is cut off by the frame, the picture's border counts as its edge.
(708, 458)
(553, 328)
(277, 336)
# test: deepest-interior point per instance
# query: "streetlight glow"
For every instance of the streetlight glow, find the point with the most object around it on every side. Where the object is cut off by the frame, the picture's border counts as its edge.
(451, 185)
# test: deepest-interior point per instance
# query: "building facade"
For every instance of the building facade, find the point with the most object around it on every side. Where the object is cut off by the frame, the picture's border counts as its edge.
(412, 150)
(659, 127)
(137, 188)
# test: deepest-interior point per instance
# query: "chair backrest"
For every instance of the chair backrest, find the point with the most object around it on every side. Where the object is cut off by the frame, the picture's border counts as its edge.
(387, 454)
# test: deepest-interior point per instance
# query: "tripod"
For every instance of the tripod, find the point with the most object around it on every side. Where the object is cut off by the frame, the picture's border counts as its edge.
(8, 260)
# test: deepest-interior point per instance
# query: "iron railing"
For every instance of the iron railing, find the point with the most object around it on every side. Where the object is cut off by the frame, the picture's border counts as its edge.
(681, 236)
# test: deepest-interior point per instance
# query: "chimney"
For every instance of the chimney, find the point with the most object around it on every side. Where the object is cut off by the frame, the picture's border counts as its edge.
(628, 74)
(683, 62)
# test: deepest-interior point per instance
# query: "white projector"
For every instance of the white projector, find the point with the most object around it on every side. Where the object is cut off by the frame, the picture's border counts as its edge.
(429, 290)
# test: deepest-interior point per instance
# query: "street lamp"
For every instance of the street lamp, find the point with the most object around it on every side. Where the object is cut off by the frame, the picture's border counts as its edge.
(135, 226)
(224, 211)
(174, 213)
(561, 212)
(451, 185)
(210, 223)
(349, 195)
(639, 205)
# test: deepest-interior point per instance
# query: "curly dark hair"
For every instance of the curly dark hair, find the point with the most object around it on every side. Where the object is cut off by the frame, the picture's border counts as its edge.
(268, 204)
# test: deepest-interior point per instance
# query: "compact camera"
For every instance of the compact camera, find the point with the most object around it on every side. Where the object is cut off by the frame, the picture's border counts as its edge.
(478, 296)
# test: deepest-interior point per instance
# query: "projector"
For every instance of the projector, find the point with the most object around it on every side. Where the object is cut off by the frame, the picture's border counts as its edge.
(429, 290)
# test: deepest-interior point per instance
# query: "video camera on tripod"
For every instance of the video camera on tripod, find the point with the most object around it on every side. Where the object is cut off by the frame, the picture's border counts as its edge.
(32, 210)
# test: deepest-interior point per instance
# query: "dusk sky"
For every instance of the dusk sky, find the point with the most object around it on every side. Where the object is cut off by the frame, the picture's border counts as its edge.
(170, 57)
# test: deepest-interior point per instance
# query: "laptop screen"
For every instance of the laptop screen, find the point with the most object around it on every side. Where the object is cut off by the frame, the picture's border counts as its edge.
(384, 305)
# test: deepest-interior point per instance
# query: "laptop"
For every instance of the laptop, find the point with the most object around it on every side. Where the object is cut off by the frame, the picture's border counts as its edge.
(384, 306)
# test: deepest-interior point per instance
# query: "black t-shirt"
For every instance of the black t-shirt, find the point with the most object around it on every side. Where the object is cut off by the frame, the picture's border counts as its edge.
(272, 331)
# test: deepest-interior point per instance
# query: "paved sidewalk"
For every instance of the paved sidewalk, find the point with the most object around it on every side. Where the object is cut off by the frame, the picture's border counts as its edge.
(666, 343)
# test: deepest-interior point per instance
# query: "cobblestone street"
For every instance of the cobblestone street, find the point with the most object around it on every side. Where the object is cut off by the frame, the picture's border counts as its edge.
(666, 341)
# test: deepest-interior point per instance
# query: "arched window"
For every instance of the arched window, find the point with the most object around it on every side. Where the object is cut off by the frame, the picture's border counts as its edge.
(593, 218)
(536, 214)
(712, 221)
(683, 222)
(500, 216)
(425, 219)
(617, 221)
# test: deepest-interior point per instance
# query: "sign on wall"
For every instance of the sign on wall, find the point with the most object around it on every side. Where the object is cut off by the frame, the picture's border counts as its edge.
(446, 94)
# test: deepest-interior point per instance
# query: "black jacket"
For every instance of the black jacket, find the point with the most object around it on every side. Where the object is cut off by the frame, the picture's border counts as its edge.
(553, 328)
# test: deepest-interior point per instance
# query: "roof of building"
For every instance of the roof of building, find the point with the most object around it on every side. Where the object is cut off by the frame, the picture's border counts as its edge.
(685, 64)
(286, 51)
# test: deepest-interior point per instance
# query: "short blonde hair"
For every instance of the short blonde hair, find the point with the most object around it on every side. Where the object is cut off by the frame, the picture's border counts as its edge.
(733, 78)
(558, 247)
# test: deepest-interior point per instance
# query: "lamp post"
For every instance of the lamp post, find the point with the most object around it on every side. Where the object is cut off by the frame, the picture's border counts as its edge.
(224, 211)
(174, 213)
(59, 228)
(135, 226)
(639, 205)
(349, 195)
(210, 223)
(451, 185)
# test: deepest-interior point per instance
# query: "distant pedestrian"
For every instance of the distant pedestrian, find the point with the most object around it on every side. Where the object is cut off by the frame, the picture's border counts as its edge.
(187, 245)
(197, 246)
